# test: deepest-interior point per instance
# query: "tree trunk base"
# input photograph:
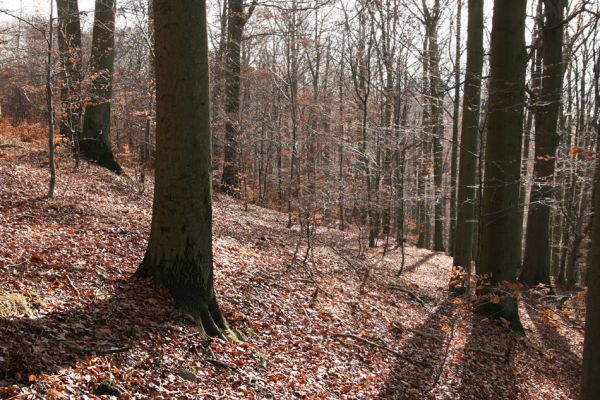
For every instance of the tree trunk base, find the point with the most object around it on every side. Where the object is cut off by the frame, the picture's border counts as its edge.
(196, 300)
(506, 311)
(99, 154)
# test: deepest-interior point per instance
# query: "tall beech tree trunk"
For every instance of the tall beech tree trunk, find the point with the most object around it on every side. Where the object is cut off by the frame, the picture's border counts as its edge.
(500, 204)
(50, 105)
(69, 45)
(534, 96)
(455, 127)
(536, 264)
(590, 384)
(230, 180)
(422, 225)
(469, 139)
(438, 127)
(236, 20)
(179, 253)
(95, 142)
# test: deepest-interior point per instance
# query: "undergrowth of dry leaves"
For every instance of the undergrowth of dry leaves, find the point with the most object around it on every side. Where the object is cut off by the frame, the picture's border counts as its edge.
(75, 324)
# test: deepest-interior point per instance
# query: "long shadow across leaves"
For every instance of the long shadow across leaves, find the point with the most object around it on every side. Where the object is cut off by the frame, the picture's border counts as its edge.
(411, 380)
(134, 312)
(485, 376)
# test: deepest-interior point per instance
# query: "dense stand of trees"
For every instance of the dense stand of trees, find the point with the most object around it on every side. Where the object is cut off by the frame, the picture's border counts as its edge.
(345, 114)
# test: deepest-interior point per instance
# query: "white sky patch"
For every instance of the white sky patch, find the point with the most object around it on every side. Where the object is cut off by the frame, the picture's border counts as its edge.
(30, 7)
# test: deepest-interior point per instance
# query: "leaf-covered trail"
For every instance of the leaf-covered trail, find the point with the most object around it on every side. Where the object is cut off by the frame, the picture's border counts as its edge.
(314, 330)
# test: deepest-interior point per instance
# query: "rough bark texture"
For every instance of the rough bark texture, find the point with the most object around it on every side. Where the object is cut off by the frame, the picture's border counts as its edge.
(179, 253)
(95, 143)
(469, 139)
(69, 44)
(230, 181)
(500, 206)
(536, 264)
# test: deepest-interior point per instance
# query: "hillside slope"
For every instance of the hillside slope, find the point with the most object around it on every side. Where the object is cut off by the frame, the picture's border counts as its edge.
(74, 323)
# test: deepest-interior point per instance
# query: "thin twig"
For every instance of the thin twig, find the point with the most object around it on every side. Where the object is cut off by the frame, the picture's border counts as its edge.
(17, 264)
(377, 345)
(408, 292)
(105, 351)
(73, 286)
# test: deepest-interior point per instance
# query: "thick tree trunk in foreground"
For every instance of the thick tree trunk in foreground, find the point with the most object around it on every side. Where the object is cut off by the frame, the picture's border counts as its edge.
(69, 44)
(467, 175)
(590, 384)
(536, 264)
(499, 240)
(179, 253)
(95, 144)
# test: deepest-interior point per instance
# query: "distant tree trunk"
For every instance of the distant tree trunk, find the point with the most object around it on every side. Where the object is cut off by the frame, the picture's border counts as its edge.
(536, 264)
(236, 20)
(95, 141)
(292, 80)
(146, 150)
(500, 209)
(400, 122)
(438, 128)
(179, 253)
(455, 128)
(230, 180)
(50, 106)
(469, 147)
(69, 44)
(424, 162)
(534, 95)
(341, 200)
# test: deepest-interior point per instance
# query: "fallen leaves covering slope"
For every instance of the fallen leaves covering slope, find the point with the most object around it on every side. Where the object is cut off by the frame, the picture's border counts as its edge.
(73, 322)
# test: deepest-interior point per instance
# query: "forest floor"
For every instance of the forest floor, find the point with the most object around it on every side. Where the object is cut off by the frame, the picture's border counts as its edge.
(75, 324)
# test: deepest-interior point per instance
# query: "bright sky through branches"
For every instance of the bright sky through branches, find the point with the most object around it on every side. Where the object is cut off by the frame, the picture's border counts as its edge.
(30, 7)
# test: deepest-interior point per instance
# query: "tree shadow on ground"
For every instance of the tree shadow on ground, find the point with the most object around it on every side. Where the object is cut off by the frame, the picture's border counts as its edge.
(135, 311)
(561, 365)
(482, 375)
(429, 375)
(418, 263)
(410, 380)
(550, 336)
